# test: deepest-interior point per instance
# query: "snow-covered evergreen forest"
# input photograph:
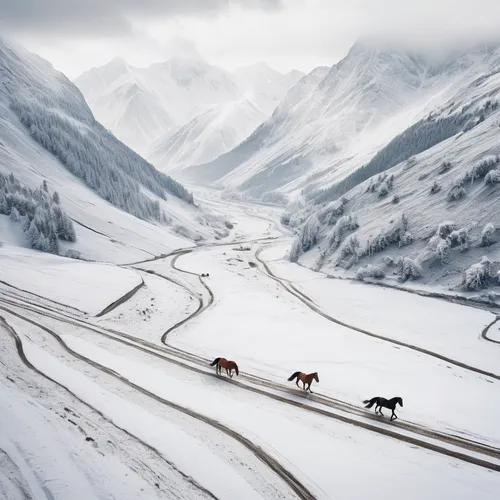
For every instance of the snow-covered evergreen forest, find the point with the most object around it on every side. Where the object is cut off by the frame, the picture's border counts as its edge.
(58, 118)
(107, 166)
(39, 212)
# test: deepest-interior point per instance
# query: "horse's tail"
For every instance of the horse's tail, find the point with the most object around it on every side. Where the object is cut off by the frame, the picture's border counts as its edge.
(236, 369)
(370, 402)
(214, 362)
(295, 375)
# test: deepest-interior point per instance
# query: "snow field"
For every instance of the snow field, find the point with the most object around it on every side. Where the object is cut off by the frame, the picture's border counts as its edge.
(196, 449)
(89, 287)
(320, 452)
(270, 333)
(157, 305)
(446, 328)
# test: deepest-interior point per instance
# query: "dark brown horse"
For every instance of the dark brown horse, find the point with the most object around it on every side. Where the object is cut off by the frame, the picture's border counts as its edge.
(385, 403)
(224, 363)
(306, 379)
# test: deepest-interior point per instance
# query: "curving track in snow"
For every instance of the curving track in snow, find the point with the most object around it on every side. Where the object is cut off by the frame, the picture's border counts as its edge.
(484, 333)
(414, 434)
(25, 361)
(287, 477)
(306, 300)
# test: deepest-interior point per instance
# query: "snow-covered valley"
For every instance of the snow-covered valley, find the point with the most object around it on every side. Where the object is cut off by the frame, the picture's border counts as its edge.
(108, 336)
(131, 393)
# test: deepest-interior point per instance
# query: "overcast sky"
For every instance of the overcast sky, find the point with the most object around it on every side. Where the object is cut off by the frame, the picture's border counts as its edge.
(75, 35)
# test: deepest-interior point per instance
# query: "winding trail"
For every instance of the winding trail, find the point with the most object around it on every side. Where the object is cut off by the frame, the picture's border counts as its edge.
(288, 478)
(484, 333)
(24, 359)
(345, 412)
(286, 285)
(120, 300)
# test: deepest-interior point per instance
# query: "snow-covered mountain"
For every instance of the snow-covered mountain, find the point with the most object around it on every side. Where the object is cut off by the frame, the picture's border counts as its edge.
(207, 135)
(121, 205)
(264, 86)
(142, 106)
(426, 206)
(331, 122)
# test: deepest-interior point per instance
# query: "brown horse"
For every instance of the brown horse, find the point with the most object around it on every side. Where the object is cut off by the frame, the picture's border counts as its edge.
(224, 363)
(306, 379)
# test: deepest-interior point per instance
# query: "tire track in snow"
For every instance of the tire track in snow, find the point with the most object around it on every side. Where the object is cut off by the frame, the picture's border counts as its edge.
(120, 300)
(484, 333)
(287, 477)
(166, 352)
(311, 305)
(24, 359)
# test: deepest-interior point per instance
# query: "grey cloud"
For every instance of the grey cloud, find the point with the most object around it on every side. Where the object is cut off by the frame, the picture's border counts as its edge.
(106, 17)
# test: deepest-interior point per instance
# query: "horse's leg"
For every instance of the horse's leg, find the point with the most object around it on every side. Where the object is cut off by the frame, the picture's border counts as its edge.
(230, 373)
(380, 411)
(310, 388)
(393, 416)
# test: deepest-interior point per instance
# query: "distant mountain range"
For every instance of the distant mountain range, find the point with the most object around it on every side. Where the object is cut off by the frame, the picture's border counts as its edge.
(151, 108)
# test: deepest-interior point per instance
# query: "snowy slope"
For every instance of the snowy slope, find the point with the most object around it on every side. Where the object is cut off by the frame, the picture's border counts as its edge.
(144, 105)
(104, 232)
(206, 136)
(437, 206)
(264, 86)
(340, 120)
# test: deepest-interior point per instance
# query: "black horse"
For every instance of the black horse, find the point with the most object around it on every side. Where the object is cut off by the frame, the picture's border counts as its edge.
(384, 403)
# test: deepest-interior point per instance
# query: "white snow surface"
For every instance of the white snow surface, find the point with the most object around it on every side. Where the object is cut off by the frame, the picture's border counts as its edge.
(100, 408)
(270, 334)
(86, 286)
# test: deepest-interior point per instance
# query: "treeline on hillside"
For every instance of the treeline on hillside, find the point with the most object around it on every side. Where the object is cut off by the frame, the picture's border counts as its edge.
(38, 211)
(419, 137)
(106, 165)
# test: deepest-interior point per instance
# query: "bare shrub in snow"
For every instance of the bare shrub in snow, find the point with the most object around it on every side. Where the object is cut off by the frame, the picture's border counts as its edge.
(383, 190)
(435, 188)
(439, 245)
(344, 224)
(350, 248)
(329, 214)
(444, 167)
(481, 169)
(478, 275)
(285, 219)
(370, 271)
(459, 237)
(405, 239)
(395, 199)
(409, 269)
(306, 239)
(457, 192)
(397, 233)
(487, 234)
(492, 177)
(445, 228)
(421, 177)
